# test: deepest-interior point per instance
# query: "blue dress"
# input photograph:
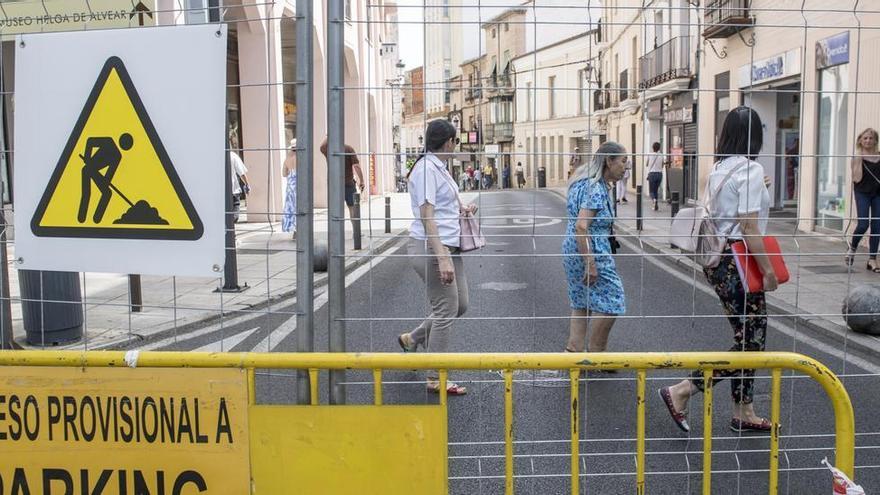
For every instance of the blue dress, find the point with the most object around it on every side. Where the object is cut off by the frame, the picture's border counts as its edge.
(606, 294)
(288, 219)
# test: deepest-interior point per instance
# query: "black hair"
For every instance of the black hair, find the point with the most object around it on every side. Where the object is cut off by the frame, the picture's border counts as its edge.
(436, 135)
(656, 146)
(438, 132)
(741, 135)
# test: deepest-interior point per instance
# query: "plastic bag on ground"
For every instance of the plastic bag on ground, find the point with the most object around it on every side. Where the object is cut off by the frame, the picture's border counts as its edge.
(842, 484)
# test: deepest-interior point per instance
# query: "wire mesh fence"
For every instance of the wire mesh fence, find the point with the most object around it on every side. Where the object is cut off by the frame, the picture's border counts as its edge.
(531, 91)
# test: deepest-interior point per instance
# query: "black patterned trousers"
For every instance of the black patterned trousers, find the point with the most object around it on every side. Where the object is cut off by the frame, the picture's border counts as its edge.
(747, 314)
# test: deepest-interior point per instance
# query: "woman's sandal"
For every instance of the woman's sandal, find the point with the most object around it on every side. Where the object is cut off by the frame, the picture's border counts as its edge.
(850, 257)
(680, 417)
(740, 426)
(452, 388)
(872, 266)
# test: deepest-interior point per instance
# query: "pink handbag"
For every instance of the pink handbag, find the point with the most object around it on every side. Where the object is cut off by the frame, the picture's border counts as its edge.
(471, 238)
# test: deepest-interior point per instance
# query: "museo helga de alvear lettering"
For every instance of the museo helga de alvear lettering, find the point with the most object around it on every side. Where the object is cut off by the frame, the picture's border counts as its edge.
(112, 419)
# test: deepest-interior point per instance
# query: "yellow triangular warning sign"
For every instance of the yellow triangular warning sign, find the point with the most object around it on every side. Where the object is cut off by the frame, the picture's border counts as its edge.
(114, 178)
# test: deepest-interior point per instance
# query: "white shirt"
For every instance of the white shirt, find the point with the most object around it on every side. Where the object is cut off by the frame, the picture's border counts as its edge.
(744, 193)
(238, 169)
(429, 182)
(654, 163)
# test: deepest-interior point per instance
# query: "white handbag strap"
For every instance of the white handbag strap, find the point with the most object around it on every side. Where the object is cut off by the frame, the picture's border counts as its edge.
(710, 200)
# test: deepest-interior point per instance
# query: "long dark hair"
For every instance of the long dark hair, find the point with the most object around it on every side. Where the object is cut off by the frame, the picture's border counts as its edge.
(741, 135)
(436, 135)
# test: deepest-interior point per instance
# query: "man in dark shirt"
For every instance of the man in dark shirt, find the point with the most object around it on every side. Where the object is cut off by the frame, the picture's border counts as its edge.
(354, 177)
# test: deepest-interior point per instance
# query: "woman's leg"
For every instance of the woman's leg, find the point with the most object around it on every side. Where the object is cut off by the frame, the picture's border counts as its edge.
(747, 314)
(433, 333)
(577, 330)
(600, 328)
(874, 239)
(654, 184)
(863, 205)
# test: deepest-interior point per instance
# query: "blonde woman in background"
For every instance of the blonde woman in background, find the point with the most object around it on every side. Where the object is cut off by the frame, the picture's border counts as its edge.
(288, 219)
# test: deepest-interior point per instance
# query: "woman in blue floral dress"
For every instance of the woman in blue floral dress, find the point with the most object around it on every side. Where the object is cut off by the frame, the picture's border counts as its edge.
(288, 219)
(594, 287)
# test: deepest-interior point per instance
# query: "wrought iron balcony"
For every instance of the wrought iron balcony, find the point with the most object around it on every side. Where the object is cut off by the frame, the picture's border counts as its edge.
(726, 17)
(669, 61)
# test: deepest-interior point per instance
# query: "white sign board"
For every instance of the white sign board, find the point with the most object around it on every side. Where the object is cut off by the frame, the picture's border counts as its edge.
(770, 69)
(120, 151)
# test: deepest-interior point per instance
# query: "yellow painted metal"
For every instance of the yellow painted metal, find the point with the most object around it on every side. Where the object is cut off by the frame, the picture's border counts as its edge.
(444, 375)
(508, 432)
(708, 397)
(775, 392)
(252, 386)
(348, 449)
(640, 432)
(313, 386)
(843, 412)
(377, 386)
(574, 375)
(194, 431)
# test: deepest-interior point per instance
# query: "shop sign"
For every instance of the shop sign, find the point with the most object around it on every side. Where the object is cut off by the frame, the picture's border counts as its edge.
(464, 138)
(832, 51)
(68, 15)
(683, 115)
(771, 68)
(490, 149)
(677, 155)
(472, 137)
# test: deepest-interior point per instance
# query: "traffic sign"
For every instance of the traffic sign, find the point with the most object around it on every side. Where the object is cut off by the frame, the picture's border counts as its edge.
(113, 148)
(120, 151)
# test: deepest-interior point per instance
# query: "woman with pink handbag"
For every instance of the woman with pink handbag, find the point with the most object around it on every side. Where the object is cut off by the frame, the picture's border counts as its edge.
(435, 246)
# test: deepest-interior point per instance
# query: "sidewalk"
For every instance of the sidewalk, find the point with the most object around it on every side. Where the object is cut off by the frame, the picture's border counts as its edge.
(266, 263)
(819, 278)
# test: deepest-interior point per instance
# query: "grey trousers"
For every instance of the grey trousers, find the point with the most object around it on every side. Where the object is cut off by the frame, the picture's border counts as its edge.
(447, 302)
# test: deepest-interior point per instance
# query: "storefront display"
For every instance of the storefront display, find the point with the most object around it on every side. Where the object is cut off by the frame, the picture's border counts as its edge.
(833, 143)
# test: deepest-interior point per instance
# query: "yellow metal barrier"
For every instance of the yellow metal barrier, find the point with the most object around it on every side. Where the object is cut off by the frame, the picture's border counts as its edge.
(638, 362)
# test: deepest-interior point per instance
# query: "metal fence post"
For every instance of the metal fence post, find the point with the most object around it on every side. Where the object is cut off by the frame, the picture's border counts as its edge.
(335, 190)
(230, 266)
(387, 214)
(6, 336)
(305, 197)
(639, 223)
(674, 209)
(136, 297)
(356, 221)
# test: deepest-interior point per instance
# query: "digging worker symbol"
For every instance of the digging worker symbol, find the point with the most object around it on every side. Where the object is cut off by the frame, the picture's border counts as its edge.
(101, 153)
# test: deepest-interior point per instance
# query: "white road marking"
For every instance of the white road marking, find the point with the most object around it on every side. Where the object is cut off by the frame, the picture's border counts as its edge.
(775, 323)
(502, 286)
(227, 343)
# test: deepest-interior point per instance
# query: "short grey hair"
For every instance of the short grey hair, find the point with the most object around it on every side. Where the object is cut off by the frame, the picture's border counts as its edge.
(593, 169)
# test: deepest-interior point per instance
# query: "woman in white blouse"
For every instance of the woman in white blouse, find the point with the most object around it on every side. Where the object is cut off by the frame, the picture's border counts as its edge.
(434, 246)
(741, 209)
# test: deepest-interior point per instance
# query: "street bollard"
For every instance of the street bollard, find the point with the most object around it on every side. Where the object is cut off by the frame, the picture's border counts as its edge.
(387, 214)
(674, 209)
(639, 208)
(135, 293)
(356, 221)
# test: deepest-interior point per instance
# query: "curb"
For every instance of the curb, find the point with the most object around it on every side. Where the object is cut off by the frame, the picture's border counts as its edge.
(816, 326)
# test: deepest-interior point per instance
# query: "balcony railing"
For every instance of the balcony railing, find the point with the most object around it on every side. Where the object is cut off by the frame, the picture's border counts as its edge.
(671, 60)
(725, 17)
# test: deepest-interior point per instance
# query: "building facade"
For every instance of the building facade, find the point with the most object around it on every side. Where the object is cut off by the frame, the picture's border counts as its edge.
(814, 89)
(554, 101)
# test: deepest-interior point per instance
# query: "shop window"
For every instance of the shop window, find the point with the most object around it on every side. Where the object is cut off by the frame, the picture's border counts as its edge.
(832, 190)
(202, 11)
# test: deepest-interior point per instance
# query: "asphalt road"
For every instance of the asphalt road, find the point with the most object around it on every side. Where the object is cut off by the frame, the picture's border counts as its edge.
(519, 304)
